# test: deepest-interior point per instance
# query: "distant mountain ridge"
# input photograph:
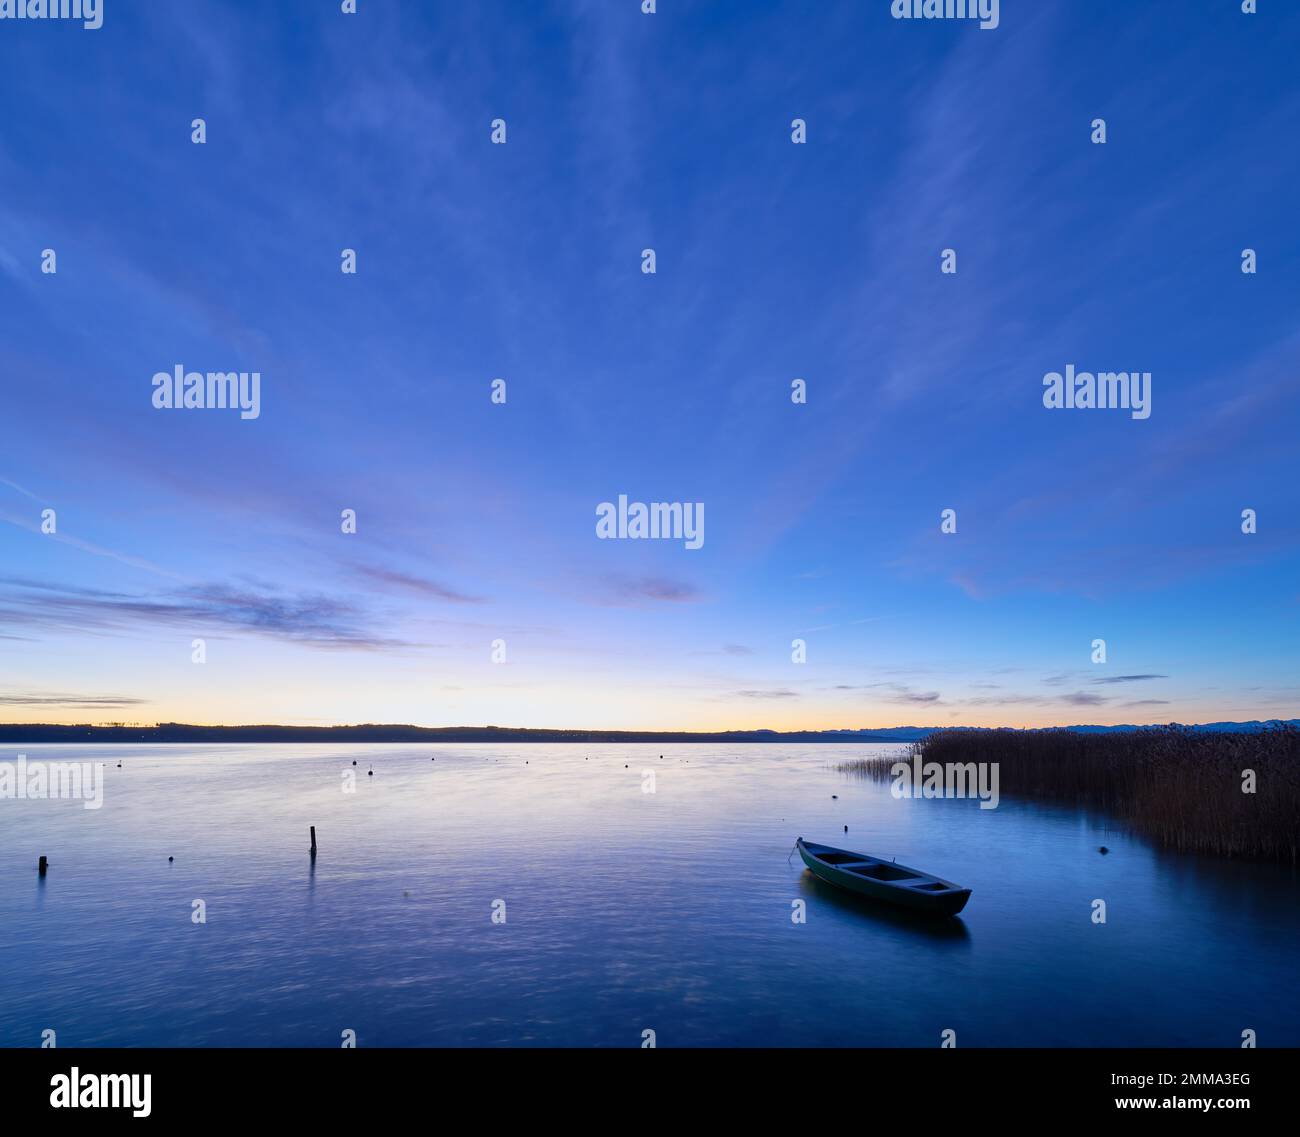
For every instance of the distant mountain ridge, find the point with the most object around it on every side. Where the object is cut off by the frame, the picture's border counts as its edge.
(21, 733)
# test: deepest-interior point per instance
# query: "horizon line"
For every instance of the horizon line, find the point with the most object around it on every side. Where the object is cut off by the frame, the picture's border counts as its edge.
(8, 729)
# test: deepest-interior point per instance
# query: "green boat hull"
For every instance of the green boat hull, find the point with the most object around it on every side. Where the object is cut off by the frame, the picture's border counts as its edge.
(885, 881)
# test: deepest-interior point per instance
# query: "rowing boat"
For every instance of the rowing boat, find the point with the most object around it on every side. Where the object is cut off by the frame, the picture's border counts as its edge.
(884, 880)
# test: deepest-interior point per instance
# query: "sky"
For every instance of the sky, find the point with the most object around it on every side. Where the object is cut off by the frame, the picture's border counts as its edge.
(774, 261)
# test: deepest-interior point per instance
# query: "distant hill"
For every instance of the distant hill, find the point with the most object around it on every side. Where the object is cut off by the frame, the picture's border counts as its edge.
(24, 733)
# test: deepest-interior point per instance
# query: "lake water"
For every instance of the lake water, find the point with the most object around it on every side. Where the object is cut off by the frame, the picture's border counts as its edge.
(625, 911)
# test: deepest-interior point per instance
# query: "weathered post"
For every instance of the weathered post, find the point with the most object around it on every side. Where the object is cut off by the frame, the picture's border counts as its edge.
(313, 840)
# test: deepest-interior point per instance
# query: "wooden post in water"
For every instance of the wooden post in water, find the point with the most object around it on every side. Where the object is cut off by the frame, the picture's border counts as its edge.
(42, 865)
(313, 841)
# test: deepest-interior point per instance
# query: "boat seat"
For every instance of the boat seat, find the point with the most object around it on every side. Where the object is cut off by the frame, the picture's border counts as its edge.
(880, 871)
(841, 859)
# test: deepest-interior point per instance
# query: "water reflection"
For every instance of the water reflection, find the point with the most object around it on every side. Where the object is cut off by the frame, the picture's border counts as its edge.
(873, 912)
(625, 909)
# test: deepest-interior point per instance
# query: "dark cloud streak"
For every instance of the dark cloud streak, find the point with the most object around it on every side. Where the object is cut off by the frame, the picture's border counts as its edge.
(311, 619)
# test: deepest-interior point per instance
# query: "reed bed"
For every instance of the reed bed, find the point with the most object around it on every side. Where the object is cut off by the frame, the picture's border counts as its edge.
(1179, 787)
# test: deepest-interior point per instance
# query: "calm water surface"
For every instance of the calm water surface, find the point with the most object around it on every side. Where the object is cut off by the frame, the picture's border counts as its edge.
(625, 911)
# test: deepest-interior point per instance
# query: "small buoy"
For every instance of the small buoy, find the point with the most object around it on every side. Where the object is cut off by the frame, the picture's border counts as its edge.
(354, 761)
(119, 765)
(846, 829)
(1103, 850)
(835, 797)
(170, 859)
(625, 765)
(371, 772)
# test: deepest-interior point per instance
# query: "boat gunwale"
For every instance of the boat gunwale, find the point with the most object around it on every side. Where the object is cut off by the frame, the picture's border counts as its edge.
(866, 858)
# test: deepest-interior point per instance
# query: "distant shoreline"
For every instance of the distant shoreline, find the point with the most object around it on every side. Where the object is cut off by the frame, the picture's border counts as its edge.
(23, 733)
(32, 733)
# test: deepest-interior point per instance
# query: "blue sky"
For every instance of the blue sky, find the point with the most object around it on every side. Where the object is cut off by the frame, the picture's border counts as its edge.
(775, 261)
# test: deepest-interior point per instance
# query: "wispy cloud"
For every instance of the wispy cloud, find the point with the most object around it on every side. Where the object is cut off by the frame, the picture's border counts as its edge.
(81, 702)
(314, 620)
(1067, 678)
(90, 547)
(654, 589)
(893, 692)
(1084, 699)
(728, 649)
(416, 584)
(924, 697)
(844, 624)
(19, 489)
(1128, 678)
